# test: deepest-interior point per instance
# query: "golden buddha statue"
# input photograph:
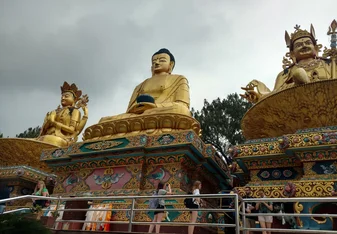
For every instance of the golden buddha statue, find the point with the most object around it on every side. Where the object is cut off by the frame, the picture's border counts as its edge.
(303, 67)
(155, 104)
(62, 126)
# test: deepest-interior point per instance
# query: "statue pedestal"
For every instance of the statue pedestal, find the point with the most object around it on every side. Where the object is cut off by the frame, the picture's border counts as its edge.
(307, 158)
(134, 166)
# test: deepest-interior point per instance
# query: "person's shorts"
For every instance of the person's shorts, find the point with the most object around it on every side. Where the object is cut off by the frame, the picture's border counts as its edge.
(250, 223)
(193, 206)
(266, 219)
(159, 211)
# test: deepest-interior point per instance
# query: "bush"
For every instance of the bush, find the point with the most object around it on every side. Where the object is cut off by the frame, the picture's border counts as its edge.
(21, 224)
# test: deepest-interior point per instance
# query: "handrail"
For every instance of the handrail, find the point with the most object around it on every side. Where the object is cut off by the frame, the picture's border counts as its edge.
(286, 200)
(234, 210)
(132, 210)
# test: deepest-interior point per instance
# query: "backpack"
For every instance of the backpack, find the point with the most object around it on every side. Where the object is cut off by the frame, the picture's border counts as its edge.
(188, 201)
(154, 202)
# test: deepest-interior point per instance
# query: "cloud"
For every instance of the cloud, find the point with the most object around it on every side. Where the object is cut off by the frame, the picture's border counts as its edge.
(105, 48)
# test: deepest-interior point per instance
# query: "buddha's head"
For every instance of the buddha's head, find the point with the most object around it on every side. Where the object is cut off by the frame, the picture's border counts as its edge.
(70, 94)
(302, 44)
(162, 62)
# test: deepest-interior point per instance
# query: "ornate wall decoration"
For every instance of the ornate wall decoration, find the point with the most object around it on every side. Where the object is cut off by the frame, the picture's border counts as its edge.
(166, 139)
(318, 155)
(288, 173)
(317, 188)
(262, 163)
(258, 149)
(103, 145)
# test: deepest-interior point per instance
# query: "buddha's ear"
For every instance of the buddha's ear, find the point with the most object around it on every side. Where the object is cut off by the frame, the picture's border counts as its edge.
(171, 67)
(152, 70)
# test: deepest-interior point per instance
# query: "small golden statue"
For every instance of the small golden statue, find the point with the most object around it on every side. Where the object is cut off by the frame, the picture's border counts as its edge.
(304, 66)
(160, 102)
(62, 126)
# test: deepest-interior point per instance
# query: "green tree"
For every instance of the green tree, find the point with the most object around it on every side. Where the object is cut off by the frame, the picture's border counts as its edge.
(221, 122)
(30, 133)
(1, 135)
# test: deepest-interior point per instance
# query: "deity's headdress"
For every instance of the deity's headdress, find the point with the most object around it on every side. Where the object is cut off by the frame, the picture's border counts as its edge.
(72, 89)
(299, 33)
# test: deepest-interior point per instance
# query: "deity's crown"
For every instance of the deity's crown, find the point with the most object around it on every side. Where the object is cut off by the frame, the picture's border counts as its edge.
(71, 88)
(299, 33)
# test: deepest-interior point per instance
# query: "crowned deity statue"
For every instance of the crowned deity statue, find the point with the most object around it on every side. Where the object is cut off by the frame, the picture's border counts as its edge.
(301, 65)
(62, 126)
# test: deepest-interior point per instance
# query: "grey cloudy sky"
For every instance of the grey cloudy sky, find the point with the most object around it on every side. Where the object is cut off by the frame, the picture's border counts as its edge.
(105, 47)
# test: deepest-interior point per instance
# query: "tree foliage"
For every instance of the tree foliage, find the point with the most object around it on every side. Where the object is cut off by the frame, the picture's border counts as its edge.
(30, 133)
(221, 121)
(1, 135)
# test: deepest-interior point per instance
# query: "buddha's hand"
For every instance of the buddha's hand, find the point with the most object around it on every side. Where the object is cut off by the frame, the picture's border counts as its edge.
(250, 94)
(85, 111)
(140, 107)
(299, 76)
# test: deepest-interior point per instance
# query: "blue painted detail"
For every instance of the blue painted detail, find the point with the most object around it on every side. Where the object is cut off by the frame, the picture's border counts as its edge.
(190, 136)
(317, 208)
(166, 139)
(284, 173)
(57, 153)
(143, 139)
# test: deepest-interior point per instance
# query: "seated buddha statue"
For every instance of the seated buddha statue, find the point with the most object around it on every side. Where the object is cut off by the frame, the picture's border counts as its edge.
(159, 104)
(62, 126)
(304, 66)
(162, 93)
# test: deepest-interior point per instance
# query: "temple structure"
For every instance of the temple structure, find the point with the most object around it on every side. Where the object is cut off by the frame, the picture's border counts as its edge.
(156, 140)
(291, 131)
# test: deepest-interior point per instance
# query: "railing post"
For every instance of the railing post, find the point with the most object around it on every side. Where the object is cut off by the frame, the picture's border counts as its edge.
(57, 211)
(237, 214)
(244, 224)
(131, 215)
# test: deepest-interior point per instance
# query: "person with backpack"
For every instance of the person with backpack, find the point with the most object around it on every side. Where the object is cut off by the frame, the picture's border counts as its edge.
(196, 203)
(159, 203)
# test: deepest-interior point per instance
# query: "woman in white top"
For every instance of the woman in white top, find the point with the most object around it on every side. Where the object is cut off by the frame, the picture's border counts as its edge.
(159, 214)
(196, 204)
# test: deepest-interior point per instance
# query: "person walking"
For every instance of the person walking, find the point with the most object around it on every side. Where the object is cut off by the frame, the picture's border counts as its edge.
(264, 207)
(195, 205)
(159, 214)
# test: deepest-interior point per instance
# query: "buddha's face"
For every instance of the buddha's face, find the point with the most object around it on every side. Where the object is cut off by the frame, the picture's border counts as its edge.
(161, 64)
(67, 99)
(304, 48)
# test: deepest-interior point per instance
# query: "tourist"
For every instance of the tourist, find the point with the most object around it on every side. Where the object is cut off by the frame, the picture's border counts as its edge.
(249, 208)
(40, 190)
(4, 194)
(264, 207)
(158, 215)
(195, 205)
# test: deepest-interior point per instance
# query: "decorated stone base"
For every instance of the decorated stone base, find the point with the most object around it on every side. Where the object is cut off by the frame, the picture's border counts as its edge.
(307, 158)
(134, 166)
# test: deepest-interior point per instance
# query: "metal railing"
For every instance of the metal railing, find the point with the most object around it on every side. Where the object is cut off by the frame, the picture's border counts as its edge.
(245, 229)
(132, 210)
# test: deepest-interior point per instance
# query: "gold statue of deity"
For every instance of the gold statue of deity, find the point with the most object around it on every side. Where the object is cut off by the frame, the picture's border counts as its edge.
(160, 102)
(62, 126)
(305, 92)
(304, 66)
